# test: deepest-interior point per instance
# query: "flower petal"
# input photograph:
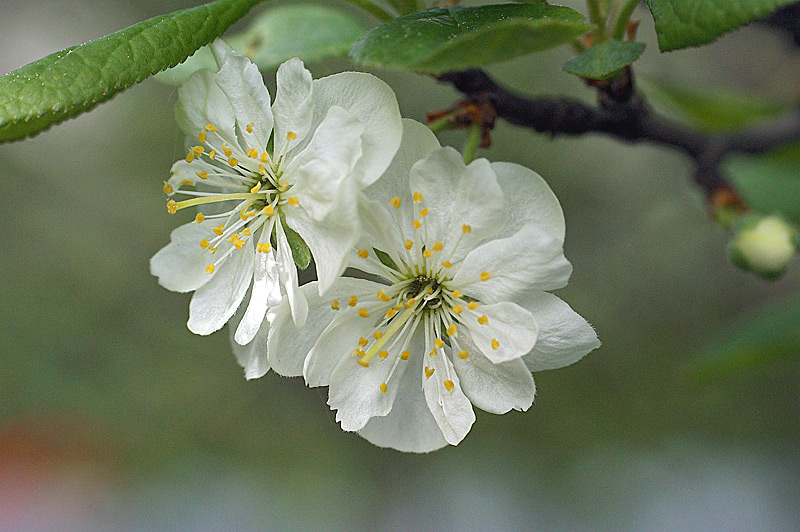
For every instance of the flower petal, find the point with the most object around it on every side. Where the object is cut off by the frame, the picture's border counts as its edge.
(266, 293)
(288, 276)
(202, 102)
(564, 336)
(529, 259)
(252, 356)
(509, 333)
(409, 426)
(495, 388)
(528, 199)
(450, 407)
(456, 194)
(289, 345)
(374, 104)
(181, 265)
(244, 87)
(294, 106)
(216, 301)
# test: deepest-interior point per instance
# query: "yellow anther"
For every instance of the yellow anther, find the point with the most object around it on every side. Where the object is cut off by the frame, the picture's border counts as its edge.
(293, 201)
(410, 303)
(447, 264)
(452, 330)
(352, 301)
(457, 293)
(383, 354)
(213, 249)
(190, 157)
(495, 344)
(186, 182)
(264, 157)
(264, 247)
(244, 215)
(210, 127)
(404, 355)
(212, 154)
(417, 197)
(438, 343)
(363, 363)
(362, 342)
(397, 308)
(424, 212)
(202, 175)
(377, 335)
(417, 224)
(246, 231)
(234, 239)
(199, 218)
(268, 210)
(172, 207)
(409, 244)
(291, 135)
(428, 372)
(202, 136)
(427, 253)
(485, 276)
(391, 313)
(463, 355)
(449, 385)
(210, 269)
(198, 150)
(438, 246)
(335, 305)
(226, 150)
(359, 353)
(395, 202)
(472, 305)
(218, 229)
(383, 387)
(204, 243)
(383, 296)
(429, 291)
(363, 253)
(483, 320)
(233, 161)
(364, 313)
(168, 188)
(249, 127)
(262, 170)
(252, 153)
(466, 229)
(256, 188)
(457, 310)
(284, 186)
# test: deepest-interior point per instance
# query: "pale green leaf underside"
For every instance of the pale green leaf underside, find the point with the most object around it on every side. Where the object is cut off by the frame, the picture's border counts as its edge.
(310, 32)
(769, 183)
(683, 23)
(442, 39)
(300, 250)
(69, 82)
(769, 336)
(604, 60)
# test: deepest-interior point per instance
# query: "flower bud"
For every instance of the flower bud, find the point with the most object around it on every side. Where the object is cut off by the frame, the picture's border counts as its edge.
(764, 246)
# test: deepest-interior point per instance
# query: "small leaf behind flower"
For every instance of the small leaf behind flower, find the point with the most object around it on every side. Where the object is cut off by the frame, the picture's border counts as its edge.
(300, 250)
(604, 60)
(385, 259)
(72, 81)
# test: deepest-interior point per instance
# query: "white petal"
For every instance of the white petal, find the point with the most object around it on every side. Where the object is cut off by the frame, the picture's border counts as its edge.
(528, 199)
(355, 391)
(266, 293)
(375, 105)
(253, 356)
(409, 426)
(289, 345)
(529, 259)
(456, 194)
(379, 231)
(513, 327)
(201, 102)
(294, 107)
(450, 408)
(244, 87)
(564, 336)
(288, 276)
(495, 388)
(181, 265)
(183, 173)
(215, 302)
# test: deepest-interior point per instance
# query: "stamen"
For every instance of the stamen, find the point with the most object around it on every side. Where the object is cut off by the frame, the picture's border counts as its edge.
(495, 344)
(199, 218)
(383, 296)
(218, 229)
(404, 355)
(335, 305)
(363, 253)
(483, 320)
(409, 244)
(428, 372)
(457, 309)
(204, 243)
(291, 135)
(456, 294)
(249, 128)
(417, 224)
(383, 354)
(447, 264)
(472, 305)
(485, 276)
(466, 229)
(383, 387)
(202, 136)
(463, 355)
(449, 385)
(226, 150)
(190, 157)
(233, 161)
(268, 210)
(395, 202)
(377, 335)
(364, 313)
(172, 207)
(362, 342)
(417, 197)
(202, 175)
(452, 329)
(252, 153)
(438, 343)
(168, 188)
(210, 269)
(210, 127)
(293, 201)
(352, 301)
(424, 212)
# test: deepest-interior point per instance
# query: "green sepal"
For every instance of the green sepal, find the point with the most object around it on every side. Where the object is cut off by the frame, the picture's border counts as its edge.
(604, 60)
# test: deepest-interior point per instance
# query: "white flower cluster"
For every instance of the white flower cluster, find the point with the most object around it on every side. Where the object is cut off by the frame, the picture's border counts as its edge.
(454, 313)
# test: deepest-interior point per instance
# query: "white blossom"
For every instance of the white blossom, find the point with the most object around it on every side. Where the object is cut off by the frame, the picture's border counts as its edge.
(457, 314)
(279, 169)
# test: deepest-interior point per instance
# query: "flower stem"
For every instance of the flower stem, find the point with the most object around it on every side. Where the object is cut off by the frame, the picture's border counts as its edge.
(623, 18)
(441, 123)
(373, 9)
(473, 140)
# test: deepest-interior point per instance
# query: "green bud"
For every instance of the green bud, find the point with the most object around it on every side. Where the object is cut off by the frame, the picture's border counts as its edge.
(764, 245)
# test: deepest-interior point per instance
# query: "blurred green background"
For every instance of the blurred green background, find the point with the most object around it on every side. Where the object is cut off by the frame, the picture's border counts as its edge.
(114, 417)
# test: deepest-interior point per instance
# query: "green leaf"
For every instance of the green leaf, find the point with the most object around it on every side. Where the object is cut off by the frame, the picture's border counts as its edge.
(683, 23)
(442, 39)
(709, 110)
(69, 82)
(385, 259)
(604, 60)
(300, 251)
(770, 182)
(310, 32)
(766, 337)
